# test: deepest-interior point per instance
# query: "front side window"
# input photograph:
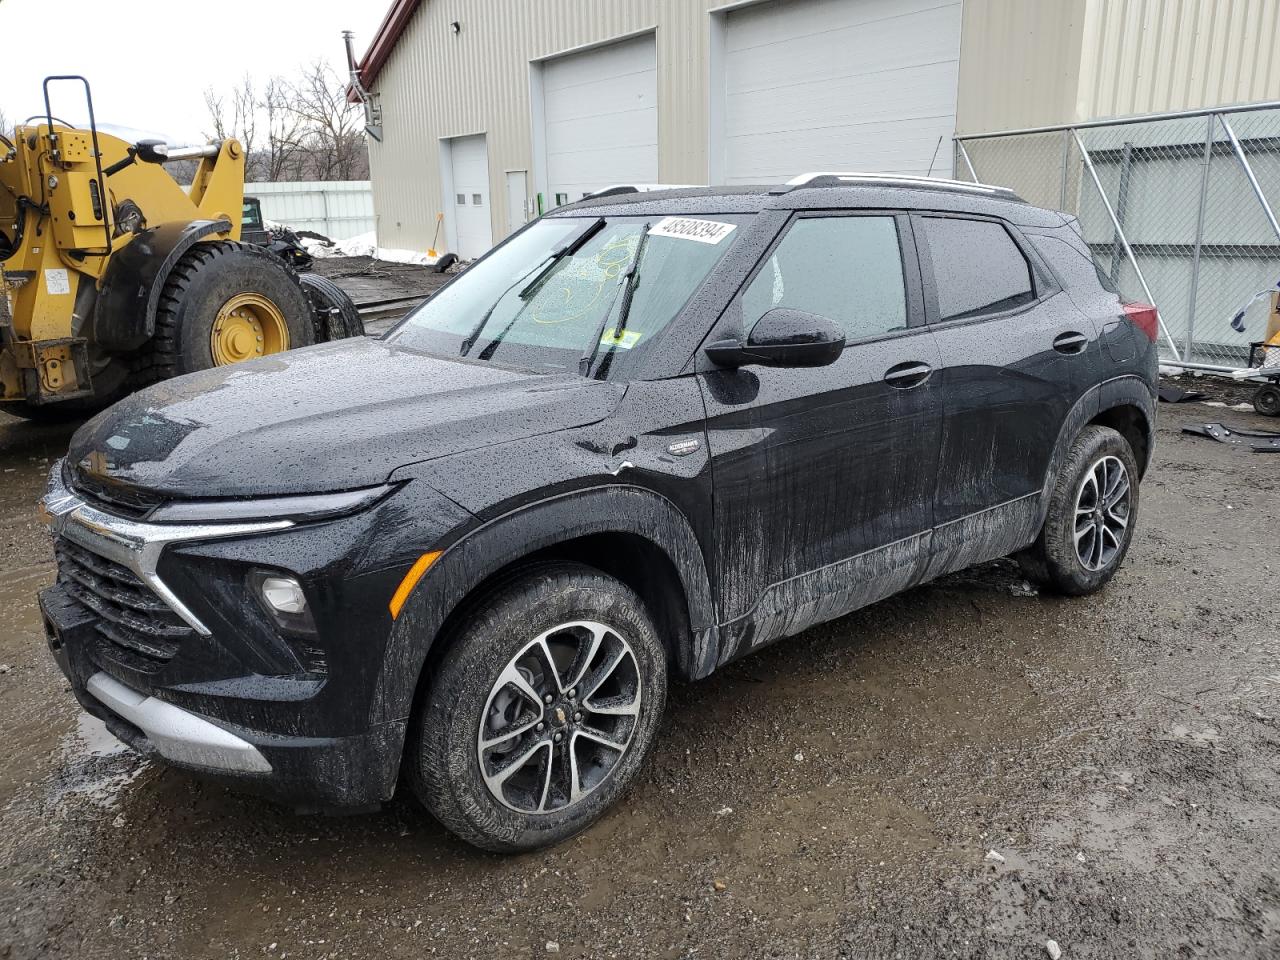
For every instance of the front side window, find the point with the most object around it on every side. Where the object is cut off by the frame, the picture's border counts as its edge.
(848, 269)
(554, 294)
(977, 268)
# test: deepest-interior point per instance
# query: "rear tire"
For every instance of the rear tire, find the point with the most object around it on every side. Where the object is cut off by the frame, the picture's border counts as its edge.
(1093, 508)
(492, 679)
(335, 314)
(207, 277)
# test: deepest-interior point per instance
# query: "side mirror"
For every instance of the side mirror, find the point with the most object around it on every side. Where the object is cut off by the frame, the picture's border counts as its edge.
(783, 338)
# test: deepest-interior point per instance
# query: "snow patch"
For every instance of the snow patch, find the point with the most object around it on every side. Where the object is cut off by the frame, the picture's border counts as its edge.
(364, 245)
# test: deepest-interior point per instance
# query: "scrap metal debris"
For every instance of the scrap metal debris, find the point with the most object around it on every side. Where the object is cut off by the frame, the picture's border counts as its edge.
(1260, 441)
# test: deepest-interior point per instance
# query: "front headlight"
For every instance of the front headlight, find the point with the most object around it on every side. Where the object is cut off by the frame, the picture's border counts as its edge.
(309, 506)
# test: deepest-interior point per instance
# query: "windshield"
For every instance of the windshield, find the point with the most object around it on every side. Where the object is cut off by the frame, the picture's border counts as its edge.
(553, 298)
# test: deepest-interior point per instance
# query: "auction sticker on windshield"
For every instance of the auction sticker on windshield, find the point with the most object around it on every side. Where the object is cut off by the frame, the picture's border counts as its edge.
(686, 228)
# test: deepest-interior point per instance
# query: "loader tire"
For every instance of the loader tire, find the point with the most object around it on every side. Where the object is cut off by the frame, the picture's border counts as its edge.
(335, 314)
(224, 302)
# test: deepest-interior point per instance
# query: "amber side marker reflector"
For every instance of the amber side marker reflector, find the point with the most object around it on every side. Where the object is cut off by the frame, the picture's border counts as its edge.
(416, 573)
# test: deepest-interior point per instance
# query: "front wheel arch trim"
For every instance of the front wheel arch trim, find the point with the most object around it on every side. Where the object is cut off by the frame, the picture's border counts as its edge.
(514, 536)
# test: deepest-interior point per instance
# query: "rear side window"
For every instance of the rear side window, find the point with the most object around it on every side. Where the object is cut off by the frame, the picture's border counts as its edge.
(977, 268)
(848, 269)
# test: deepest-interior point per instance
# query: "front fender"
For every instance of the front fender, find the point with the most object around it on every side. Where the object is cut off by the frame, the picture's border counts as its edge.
(125, 315)
(500, 542)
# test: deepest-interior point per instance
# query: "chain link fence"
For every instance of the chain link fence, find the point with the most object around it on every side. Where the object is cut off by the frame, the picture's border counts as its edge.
(1178, 209)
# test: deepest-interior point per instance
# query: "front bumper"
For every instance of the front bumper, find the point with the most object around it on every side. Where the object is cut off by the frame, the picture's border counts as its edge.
(340, 772)
(219, 699)
(177, 734)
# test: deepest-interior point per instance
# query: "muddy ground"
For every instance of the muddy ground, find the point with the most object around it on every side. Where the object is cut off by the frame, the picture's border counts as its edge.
(833, 796)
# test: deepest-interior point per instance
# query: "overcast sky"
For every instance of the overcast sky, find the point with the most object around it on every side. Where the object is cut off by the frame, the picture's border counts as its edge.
(149, 61)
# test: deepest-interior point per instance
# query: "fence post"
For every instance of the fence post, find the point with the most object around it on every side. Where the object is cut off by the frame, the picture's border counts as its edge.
(1122, 203)
(1066, 164)
(1195, 255)
(1102, 194)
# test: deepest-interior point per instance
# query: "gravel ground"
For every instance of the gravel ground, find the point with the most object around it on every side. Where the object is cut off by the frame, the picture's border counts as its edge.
(966, 770)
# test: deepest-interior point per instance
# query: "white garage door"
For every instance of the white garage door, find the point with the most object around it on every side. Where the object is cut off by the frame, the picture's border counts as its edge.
(867, 85)
(471, 220)
(600, 115)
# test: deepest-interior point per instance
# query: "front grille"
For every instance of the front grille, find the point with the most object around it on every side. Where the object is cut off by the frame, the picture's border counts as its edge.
(118, 498)
(137, 628)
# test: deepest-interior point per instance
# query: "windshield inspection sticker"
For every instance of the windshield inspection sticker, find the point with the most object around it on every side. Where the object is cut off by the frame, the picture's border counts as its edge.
(628, 339)
(685, 228)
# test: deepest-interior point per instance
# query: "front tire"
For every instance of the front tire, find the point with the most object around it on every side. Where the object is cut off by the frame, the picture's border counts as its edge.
(542, 710)
(1093, 508)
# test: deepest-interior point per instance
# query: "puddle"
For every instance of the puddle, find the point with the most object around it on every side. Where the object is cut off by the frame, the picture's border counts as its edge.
(96, 765)
(94, 738)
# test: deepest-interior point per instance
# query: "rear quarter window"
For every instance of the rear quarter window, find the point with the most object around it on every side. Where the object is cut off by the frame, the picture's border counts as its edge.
(977, 267)
(1071, 256)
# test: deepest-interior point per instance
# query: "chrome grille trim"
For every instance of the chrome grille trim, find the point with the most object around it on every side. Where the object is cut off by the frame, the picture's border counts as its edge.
(135, 544)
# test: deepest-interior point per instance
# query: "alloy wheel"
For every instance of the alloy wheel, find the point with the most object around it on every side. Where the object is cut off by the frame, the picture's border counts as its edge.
(559, 718)
(1103, 503)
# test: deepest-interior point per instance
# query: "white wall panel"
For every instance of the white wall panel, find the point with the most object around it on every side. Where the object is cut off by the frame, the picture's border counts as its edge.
(338, 209)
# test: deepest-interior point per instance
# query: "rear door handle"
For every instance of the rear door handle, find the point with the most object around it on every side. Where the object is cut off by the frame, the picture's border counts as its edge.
(906, 375)
(1070, 342)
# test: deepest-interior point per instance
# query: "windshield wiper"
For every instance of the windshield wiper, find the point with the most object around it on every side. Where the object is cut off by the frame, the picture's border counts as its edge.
(567, 247)
(629, 282)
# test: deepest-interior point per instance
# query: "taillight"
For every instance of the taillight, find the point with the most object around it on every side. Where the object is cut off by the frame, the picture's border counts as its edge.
(1145, 317)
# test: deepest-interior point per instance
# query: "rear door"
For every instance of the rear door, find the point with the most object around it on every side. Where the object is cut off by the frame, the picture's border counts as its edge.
(1013, 350)
(824, 478)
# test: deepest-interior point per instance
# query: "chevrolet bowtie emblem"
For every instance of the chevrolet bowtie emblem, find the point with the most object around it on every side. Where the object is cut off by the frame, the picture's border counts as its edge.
(560, 717)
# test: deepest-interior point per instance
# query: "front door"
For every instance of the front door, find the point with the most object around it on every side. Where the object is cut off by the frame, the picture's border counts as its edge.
(824, 478)
(472, 221)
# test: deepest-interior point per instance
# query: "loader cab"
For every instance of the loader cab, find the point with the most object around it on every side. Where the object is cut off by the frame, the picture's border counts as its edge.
(253, 228)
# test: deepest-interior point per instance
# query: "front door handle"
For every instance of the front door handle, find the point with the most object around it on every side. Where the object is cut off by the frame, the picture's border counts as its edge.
(906, 375)
(1070, 342)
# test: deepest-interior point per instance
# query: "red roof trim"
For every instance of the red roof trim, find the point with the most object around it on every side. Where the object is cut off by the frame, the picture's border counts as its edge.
(384, 41)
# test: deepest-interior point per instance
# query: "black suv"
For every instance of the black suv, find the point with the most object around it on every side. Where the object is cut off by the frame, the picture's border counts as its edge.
(646, 435)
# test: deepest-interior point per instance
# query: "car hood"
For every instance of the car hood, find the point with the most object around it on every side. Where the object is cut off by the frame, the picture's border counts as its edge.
(332, 417)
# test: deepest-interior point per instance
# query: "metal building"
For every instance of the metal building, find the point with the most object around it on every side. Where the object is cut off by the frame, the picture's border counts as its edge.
(495, 110)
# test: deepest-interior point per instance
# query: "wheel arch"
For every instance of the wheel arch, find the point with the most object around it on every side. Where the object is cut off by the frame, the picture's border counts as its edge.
(631, 533)
(1125, 404)
(124, 317)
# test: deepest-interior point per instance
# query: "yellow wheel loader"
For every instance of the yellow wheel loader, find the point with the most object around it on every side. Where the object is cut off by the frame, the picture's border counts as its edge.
(115, 277)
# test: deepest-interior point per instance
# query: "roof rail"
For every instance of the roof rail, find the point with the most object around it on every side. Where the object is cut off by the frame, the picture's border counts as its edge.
(619, 188)
(894, 179)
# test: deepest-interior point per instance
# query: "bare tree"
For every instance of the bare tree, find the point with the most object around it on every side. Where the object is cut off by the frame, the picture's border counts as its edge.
(4, 124)
(334, 140)
(286, 129)
(238, 118)
(293, 131)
